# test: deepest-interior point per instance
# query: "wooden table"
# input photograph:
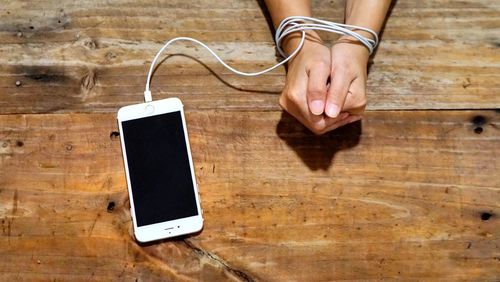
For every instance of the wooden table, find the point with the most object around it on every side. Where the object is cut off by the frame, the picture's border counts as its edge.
(410, 193)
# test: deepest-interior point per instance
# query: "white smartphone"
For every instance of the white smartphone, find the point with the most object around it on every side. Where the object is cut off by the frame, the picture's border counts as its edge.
(164, 197)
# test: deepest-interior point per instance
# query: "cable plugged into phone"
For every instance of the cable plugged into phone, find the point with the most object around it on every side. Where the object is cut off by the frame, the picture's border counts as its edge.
(147, 96)
(157, 157)
(287, 26)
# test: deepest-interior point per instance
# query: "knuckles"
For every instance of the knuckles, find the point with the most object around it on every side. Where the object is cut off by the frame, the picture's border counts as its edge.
(362, 103)
(355, 101)
(293, 95)
(284, 100)
(345, 69)
(316, 91)
(321, 65)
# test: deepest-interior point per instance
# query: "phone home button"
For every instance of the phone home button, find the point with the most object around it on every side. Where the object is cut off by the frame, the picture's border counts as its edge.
(150, 109)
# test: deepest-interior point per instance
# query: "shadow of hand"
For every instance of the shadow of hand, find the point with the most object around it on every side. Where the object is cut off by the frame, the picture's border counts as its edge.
(317, 152)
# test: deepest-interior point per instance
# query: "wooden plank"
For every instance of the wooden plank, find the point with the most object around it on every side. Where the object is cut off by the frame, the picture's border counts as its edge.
(93, 56)
(402, 195)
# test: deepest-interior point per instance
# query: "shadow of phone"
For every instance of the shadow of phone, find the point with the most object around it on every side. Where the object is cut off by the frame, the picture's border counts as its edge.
(317, 152)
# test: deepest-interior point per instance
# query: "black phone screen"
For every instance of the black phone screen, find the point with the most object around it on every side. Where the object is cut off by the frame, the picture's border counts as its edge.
(159, 170)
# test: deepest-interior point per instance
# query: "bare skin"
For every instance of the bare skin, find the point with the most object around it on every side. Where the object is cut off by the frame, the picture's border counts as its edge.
(308, 96)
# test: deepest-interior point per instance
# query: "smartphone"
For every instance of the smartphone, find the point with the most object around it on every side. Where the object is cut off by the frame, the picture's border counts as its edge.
(164, 199)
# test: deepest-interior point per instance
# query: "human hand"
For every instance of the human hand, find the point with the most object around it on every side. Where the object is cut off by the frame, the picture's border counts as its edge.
(306, 88)
(348, 78)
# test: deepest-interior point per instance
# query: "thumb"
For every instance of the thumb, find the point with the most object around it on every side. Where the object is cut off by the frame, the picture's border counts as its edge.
(316, 88)
(337, 93)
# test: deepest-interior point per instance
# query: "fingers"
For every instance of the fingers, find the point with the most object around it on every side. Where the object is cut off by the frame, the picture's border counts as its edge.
(316, 87)
(342, 122)
(324, 125)
(297, 98)
(316, 124)
(356, 97)
(294, 101)
(307, 95)
(341, 80)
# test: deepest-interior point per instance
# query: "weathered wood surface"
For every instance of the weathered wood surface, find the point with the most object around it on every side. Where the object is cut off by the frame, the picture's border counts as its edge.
(402, 195)
(89, 56)
(407, 195)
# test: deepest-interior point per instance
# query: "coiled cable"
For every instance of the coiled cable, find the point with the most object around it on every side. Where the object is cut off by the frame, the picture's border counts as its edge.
(287, 26)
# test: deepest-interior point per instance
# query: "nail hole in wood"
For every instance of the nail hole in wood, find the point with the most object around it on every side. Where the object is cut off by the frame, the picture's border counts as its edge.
(478, 130)
(486, 216)
(20, 143)
(479, 120)
(111, 206)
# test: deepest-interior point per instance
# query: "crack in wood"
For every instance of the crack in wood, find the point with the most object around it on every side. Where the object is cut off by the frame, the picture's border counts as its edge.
(243, 276)
(15, 201)
(91, 228)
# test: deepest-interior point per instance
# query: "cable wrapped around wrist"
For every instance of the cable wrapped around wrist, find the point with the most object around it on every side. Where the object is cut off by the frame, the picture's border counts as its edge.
(300, 24)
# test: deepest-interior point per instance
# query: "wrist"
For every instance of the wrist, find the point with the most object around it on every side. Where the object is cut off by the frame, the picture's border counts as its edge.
(292, 41)
(355, 44)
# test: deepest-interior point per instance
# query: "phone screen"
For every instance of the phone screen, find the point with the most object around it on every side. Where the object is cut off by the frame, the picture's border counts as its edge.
(159, 169)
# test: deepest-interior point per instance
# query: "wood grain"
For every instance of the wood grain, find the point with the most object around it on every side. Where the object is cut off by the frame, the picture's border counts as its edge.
(93, 56)
(409, 193)
(401, 195)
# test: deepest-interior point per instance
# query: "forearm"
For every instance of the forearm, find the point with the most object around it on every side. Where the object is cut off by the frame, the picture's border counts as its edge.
(281, 9)
(367, 13)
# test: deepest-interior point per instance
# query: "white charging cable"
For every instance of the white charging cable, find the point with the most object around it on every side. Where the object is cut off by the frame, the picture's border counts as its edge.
(287, 26)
